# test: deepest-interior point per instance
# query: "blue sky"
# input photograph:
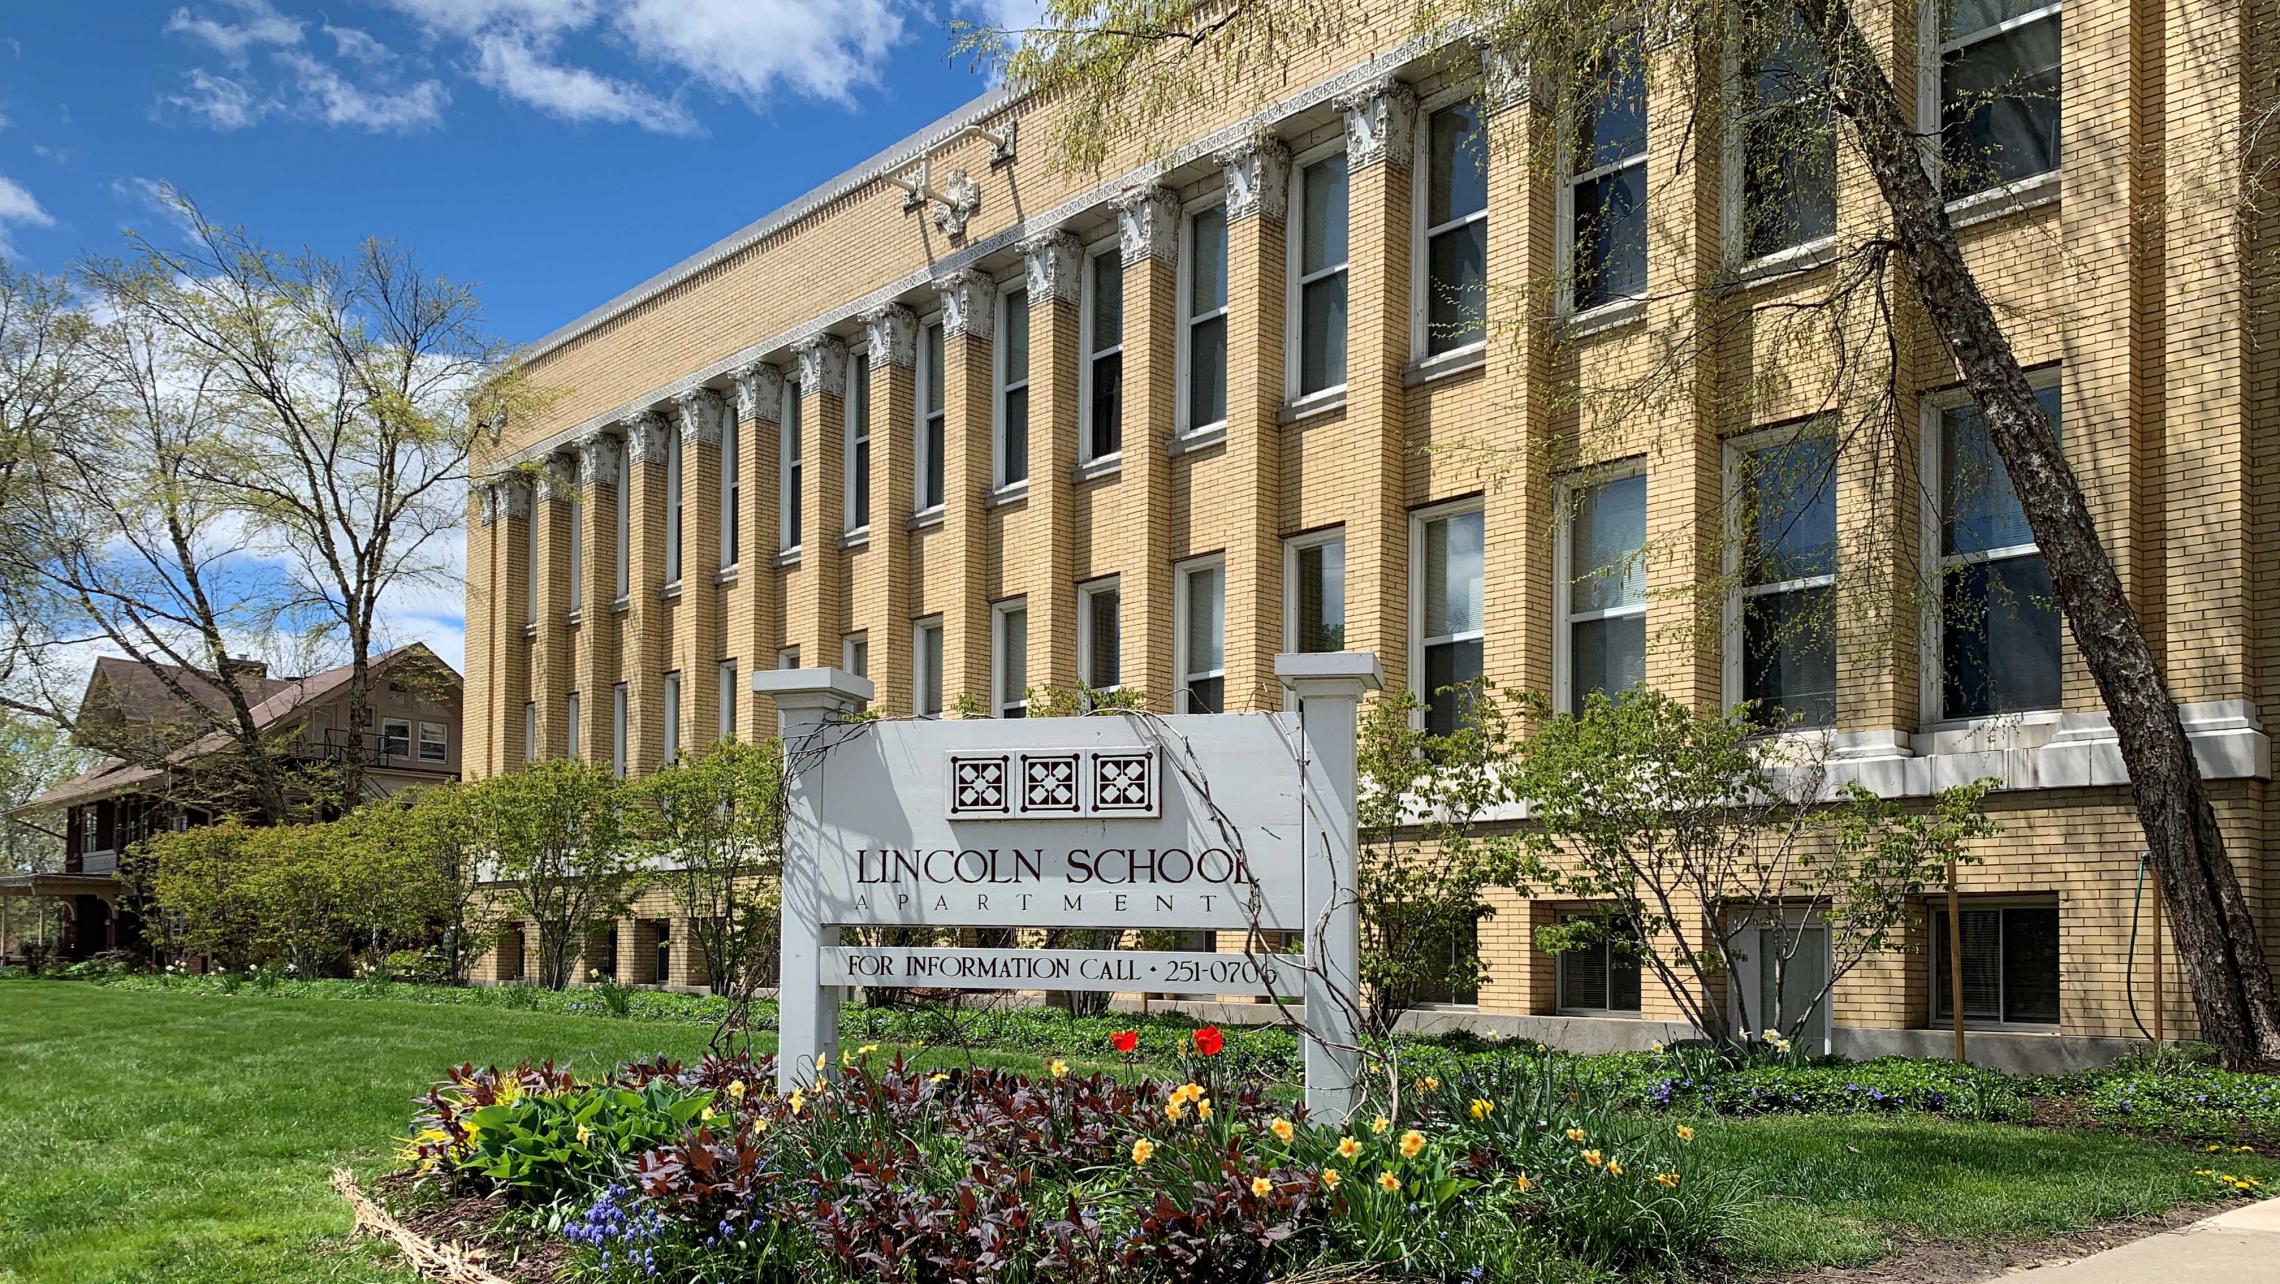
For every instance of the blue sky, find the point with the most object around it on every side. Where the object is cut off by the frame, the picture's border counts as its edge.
(551, 152)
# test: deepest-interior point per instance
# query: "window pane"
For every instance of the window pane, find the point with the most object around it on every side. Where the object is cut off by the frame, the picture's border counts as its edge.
(1205, 597)
(1105, 650)
(1017, 434)
(933, 357)
(1453, 575)
(1980, 510)
(1614, 125)
(1964, 17)
(1457, 303)
(1206, 695)
(1322, 334)
(1982, 965)
(1450, 664)
(862, 481)
(1017, 336)
(1999, 108)
(1322, 597)
(1610, 530)
(1610, 656)
(1611, 237)
(1324, 243)
(1789, 658)
(1207, 265)
(1622, 980)
(930, 670)
(1459, 165)
(1108, 301)
(1207, 372)
(1789, 182)
(1107, 404)
(1789, 498)
(936, 453)
(1583, 977)
(1013, 656)
(1999, 638)
(2030, 965)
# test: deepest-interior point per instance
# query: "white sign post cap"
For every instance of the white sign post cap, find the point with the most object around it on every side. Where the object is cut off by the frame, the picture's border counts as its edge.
(798, 688)
(1327, 673)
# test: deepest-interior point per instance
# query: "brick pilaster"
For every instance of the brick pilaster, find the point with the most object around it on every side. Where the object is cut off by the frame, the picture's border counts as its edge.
(701, 611)
(1258, 188)
(758, 600)
(601, 463)
(1148, 221)
(510, 644)
(823, 495)
(647, 628)
(968, 309)
(885, 602)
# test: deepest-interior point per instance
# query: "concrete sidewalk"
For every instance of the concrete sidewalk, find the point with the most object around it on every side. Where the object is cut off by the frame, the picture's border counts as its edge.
(2239, 1247)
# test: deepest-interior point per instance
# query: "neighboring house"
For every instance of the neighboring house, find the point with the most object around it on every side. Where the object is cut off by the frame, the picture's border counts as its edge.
(413, 739)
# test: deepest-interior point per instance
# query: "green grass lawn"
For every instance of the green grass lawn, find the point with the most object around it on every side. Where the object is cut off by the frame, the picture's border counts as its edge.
(187, 1139)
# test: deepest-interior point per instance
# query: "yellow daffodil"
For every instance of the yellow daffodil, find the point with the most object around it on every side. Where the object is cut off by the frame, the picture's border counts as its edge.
(1203, 1110)
(1541, 1049)
(1412, 1142)
(1261, 1187)
(1330, 1178)
(1614, 1169)
(2214, 1147)
(1655, 1047)
(585, 1134)
(1143, 1150)
(1428, 1084)
(760, 1123)
(1668, 1181)
(938, 1076)
(736, 1089)
(1380, 1124)
(1348, 1147)
(1685, 1133)
(2244, 1150)
(867, 1049)
(1482, 1107)
(1282, 1130)
(1592, 1157)
(710, 1114)
(1523, 1182)
(1176, 1109)
(1575, 1134)
(1058, 1068)
(799, 1100)
(1388, 1183)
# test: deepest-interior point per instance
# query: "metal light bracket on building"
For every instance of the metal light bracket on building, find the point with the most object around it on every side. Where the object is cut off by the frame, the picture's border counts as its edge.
(959, 196)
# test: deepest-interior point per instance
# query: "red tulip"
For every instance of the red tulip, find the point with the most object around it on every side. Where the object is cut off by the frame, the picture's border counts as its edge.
(1209, 1041)
(1125, 1041)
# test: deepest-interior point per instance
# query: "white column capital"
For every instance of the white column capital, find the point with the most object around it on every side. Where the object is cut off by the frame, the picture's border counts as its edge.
(1051, 258)
(892, 330)
(598, 457)
(487, 502)
(645, 437)
(1504, 77)
(562, 476)
(760, 392)
(1148, 224)
(1381, 123)
(823, 365)
(1257, 173)
(700, 411)
(514, 497)
(967, 299)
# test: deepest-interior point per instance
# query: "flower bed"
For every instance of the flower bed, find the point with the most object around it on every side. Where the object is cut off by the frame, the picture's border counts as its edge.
(664, 1171)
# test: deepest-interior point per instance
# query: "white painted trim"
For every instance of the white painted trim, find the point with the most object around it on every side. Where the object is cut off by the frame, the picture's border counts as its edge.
(1110, 251)
(1000, 614)
(1294, 250)
(1419, 519)
(1183, 671)
(1563, 552)
(1186, 434)
(1421, 236)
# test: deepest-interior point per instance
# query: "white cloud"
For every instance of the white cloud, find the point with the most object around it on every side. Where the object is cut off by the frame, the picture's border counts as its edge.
(257, 23)
(324, 94)
(18, 207)
(359, 44)
(217, 102)
(512, 68)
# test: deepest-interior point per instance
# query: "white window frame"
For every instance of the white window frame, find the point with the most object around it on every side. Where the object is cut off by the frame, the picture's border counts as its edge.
(1563, 575)
(1183, 668)
(1111, 248)
(1936, 957)
(1001, 617)
(787, 657)
(624, 522)
(393, 730)
(1733, 240)
(619, 715)
(731, 490)
(441, 741)
(1183, 399)
(919, 648)
(1293, 545)
(1930, 66)
(577, 555)
(922, 433)
(857, 415)
(1563, 230)
(1002, 386)
(1421, 237)
(571, 714)
(1932, 669)
(855, 653)
(1737, 451)
(791, 445)
(674, 528)
(670, 698)
(725, 724)
(1086, 592)
(1294, 288)
(1419, 641)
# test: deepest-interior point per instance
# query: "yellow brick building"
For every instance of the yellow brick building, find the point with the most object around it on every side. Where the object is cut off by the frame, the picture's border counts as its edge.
(1296, 383)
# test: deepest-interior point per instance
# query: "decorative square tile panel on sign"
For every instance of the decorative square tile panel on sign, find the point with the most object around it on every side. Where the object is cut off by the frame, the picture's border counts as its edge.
(1050, 785)
(1124, 782)
(978, 786)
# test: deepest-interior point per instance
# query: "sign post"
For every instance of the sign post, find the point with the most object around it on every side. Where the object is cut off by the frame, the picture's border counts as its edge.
(1329, 687)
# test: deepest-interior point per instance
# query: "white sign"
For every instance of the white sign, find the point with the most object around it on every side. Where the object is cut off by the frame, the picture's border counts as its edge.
(1116, 971)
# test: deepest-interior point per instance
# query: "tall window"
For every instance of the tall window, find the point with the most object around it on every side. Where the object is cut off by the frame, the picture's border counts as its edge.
(570, 716)
(2010, 965)
(624, 520)
(1316, 575)
(1999, 626)
(1103, 394)
(672, 702)
(1100, 640)
(577, 555)
(1788, 144)
(673, 505)
(1203, 301)
(1602, 976)
(1999, 92)
(1010, 680)
(859, 441)
(926, 668)
(1321, 275)
(530, 731)
(1201, 632)
(1013, 388)
(1455, 306)
(855, 654)
(534, 564)
(1605, 624)
(1786, 515)
(789, 498)
(727, 717)
(617, 728)
(932, 417)
(731, 489)
(1450, 575)
(1607, 192)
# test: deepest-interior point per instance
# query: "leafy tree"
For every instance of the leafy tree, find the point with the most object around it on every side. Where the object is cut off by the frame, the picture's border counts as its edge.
(436, 829)
(202, 882)
(715, 828)
(1702, 836)
(562, 841)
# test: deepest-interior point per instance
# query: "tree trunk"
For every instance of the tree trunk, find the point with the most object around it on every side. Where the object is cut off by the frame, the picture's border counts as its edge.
(2216, 935)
